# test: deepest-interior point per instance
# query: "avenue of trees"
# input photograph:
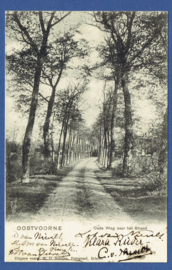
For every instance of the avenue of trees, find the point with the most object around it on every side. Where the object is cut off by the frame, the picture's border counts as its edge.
(135, 42)
(43, 57)
(132, 60)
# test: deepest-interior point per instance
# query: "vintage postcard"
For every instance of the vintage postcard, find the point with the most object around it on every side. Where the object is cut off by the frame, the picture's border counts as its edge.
(86, 107)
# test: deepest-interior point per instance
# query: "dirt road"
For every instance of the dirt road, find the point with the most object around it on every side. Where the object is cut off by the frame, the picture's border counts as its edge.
(80, 195)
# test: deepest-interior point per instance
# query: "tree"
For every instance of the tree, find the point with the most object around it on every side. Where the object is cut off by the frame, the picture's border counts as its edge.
(107, 127)
(32, 30)
(60, 53)
(68, 113)
(130, 36)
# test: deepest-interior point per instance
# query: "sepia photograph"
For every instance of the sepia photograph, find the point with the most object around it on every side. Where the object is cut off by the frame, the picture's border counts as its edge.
(86, 136)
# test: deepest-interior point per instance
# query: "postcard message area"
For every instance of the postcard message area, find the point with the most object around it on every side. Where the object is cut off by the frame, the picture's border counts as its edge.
(74, 243)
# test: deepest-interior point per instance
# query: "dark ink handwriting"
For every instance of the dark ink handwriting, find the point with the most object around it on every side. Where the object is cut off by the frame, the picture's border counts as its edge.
(69, 245)
(59, 253)
(101, 252)
(136, 254)
(130, 239)
(95, 240)
(21, 252)
(39, 236)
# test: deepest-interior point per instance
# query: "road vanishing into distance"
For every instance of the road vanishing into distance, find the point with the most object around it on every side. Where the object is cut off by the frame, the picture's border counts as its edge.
(81, 196)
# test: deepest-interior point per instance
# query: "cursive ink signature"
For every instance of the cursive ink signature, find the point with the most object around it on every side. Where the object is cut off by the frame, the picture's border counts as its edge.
(104, 253)
(41, 252)
(39, 236)
(131, 238)
(136, 254)
(58, 252)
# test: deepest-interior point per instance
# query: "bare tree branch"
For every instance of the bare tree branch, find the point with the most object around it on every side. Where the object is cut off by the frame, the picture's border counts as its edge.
(24, 30)
(51, 25)
(41, 22)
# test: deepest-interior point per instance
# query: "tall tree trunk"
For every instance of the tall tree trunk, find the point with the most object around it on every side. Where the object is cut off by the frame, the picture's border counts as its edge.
(49, 113)
(77, 148)
(52, 146)
(105, 138)
(30, 124)
(64, 144)
(104, 151)
(108, 161)
(100, 146)
(58, 150)
(52, 139)
(114, 106)
(128, 139)
(74, 147)
(69, 147)
(163, 153)
(47, 123)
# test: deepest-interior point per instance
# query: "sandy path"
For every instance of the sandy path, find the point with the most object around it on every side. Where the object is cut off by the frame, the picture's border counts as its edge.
(81, 196)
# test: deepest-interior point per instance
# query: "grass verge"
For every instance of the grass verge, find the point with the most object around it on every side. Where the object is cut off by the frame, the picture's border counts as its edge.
(135, 197)
(24, 199)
